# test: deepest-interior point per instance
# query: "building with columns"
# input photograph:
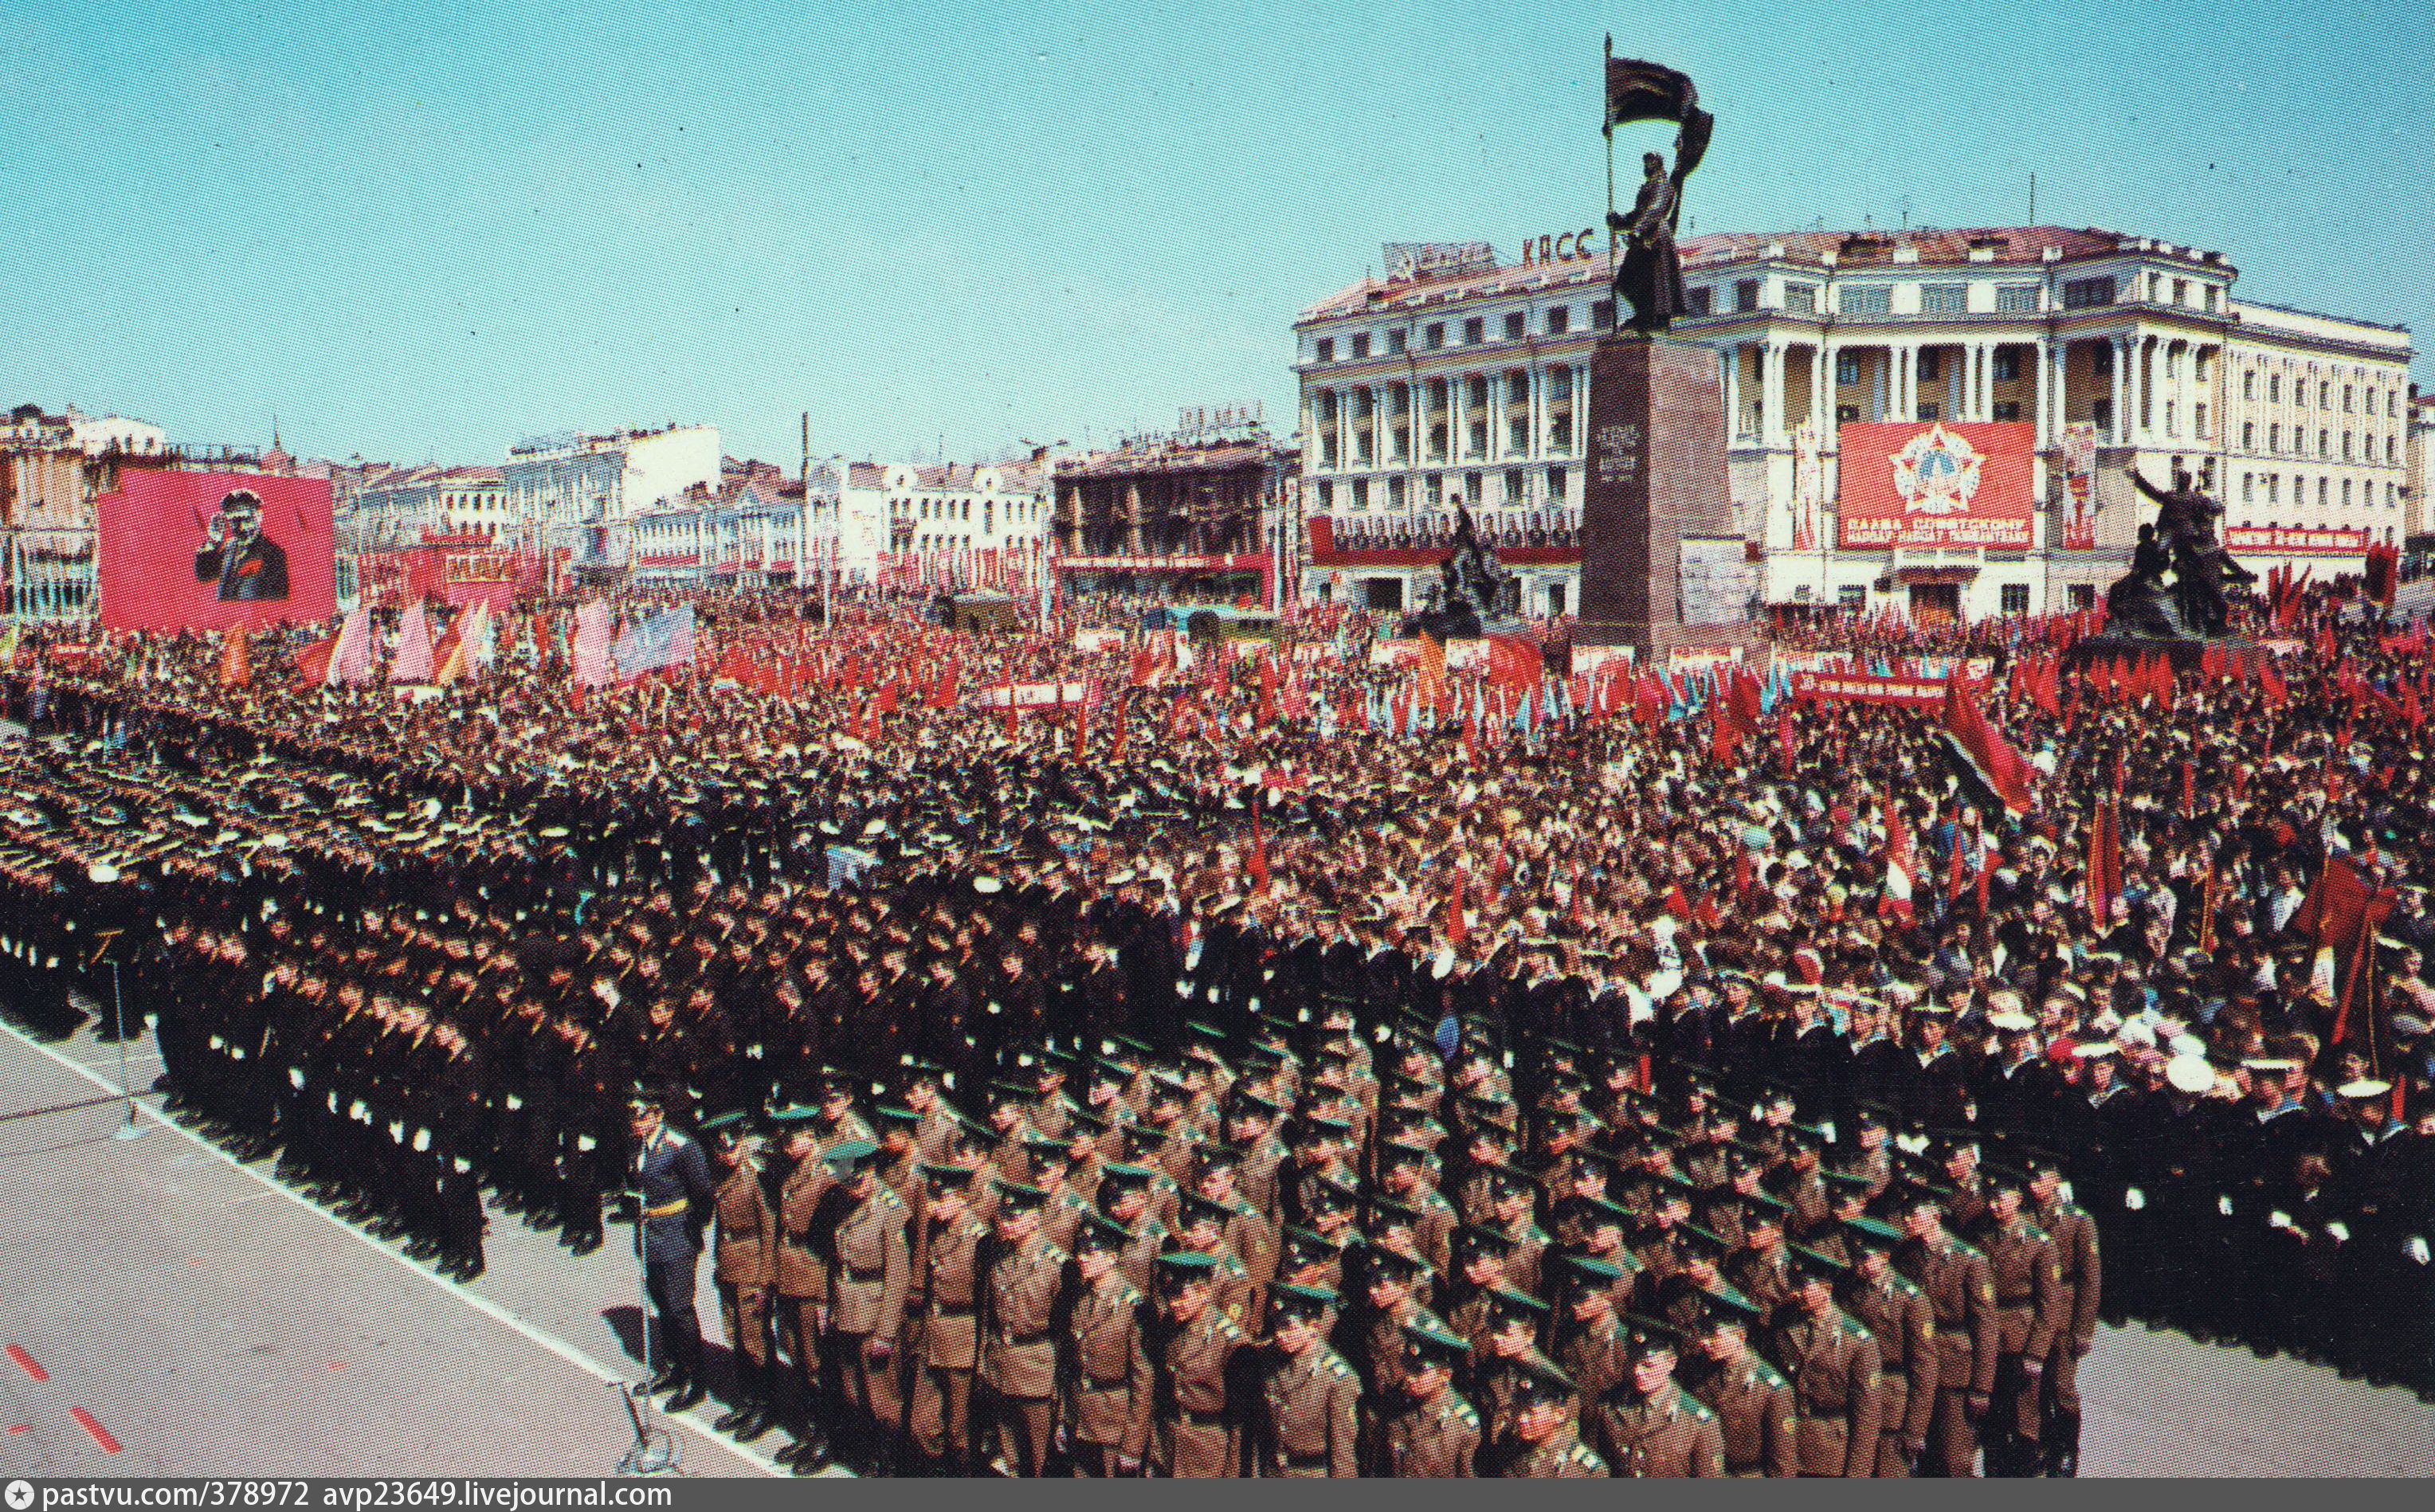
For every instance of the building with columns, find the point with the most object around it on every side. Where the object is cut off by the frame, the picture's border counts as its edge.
(1460, 376)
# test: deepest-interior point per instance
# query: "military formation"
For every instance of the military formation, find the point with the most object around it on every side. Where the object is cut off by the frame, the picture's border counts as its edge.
(1573, 1114)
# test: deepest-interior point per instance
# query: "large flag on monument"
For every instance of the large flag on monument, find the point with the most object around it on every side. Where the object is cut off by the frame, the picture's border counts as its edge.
(665, 640)
(1638, 91)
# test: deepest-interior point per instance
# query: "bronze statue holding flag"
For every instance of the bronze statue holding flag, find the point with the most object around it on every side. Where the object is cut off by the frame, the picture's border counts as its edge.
(1650, 276)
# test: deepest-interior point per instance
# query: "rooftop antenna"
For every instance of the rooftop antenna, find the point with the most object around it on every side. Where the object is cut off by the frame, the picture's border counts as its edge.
(2034, 200)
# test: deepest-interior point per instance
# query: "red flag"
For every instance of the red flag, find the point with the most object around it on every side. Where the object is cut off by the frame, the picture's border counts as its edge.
(1784, 745)
(2189, 789)
(236, 658)
(1258, 860)
(1455, 930)
(1984, 760)
(313, 660)
(2105, 882)
(1900, 861)
(1954, 878)
(2270, 682)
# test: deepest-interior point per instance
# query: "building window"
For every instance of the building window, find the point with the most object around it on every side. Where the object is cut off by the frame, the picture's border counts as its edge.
(2249, 436)
(1479, 438)
(1517, 388)
(2083, 595)
(2324, 493)
(2199, 420)
(2088, 293)
(1560, 319)
(1513, 487)
(1930, 365)
(1865, 299)
(1560, 433)
(1479, 390)
(1556, 484)
(2346, 446)
(1517, 325)
(1432, 490)
(1395, 494)
(1847, 413)
(1471, 489)
(2273, 488)
(2155, 289)
(1700, 302)
(1852, 598)
(1801, 299)
(1602, 314)
(1437, 441)
(2346, 494)
(1326, 495)
(2346, 399)
(2248, 488)
(1518, 434)
(2016, 598)
(2275, 389)
(2008, 409)
(1847, 368)
(1746, 295)
(1560, 383)
(2100, 360)
(1474, 331)
(1928, 410)
(2016, 298)
(2249, 383)
(1360, 494)
(1943, 298)
(1360, 345)
(1395, 341)
(2325, 444)
(2008, 365)
(1433, 334)
(1326, 351)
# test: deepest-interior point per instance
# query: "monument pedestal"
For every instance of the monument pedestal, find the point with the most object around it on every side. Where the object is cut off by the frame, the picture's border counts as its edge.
(1661, 567)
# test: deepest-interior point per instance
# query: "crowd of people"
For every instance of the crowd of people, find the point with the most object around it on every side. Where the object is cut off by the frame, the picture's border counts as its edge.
(1221, 1075)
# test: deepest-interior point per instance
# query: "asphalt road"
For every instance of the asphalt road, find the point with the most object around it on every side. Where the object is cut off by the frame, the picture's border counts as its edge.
(209, 1322)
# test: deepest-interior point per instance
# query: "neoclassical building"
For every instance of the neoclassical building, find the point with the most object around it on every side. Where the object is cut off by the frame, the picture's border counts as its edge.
(1460, 375)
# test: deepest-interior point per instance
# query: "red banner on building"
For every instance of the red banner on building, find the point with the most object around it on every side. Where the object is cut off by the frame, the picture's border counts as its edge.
(1853, 687)
(2079, 487)
(1929, 483)
(204, 551)
(2331, 540)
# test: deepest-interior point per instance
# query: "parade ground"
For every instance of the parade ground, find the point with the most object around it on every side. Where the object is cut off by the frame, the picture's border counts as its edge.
(204, 1319)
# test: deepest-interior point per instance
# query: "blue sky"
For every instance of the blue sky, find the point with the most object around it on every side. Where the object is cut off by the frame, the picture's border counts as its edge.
(417, 230)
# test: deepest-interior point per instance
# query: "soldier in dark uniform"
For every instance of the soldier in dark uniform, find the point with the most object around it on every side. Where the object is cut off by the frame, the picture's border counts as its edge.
(671, 1179)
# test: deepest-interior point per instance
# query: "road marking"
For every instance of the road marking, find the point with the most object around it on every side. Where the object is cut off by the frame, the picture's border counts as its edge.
(480, 1304)
(93, 1425)
(27, 1363)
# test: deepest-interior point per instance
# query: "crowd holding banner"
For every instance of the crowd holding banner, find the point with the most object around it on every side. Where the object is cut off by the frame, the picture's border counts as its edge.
(1374, 1060)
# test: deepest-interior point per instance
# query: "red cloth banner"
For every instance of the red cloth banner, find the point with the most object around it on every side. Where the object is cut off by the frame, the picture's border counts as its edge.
(211, 551)
(1937, 483)
(1852, 687)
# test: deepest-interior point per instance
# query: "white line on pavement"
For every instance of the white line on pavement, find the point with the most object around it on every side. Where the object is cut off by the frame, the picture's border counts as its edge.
(480, 1304)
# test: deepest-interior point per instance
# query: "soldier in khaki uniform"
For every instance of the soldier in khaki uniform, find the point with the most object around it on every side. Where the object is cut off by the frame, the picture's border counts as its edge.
(1898, 1316)
(2030, 1311)
(1542, 1443)
(2074, 1233)
(1105, 1385)
(1023, 1281)
(871, 1266)
(1752, 1400)
(1647, 1427)
(744, 1266)
(1195, 1424)
(801, 1277)
(940, 1333)
(1306, 1425)
(1961, 1292)
(1431, 1432)
(1832, 1361)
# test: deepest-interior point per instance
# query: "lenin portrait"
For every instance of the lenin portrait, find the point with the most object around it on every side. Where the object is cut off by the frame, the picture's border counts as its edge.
(247, 564)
